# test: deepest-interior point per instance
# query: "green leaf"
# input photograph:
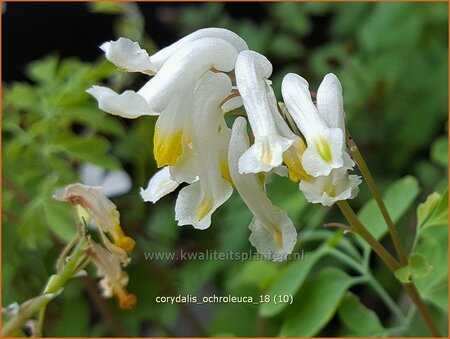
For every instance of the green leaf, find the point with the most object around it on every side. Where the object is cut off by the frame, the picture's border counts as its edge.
(403, 274)
(425, 209)
(33, 229)
(256, 273)
(91, 116)
(90, 149)
(433, 245)
(60, 218)
(22, 96)
(359, 320)
(316, 303)
(43, 70)
(239, 319)
(439, 151)
(290, 281)
(433, 212)
(398, 198)
(420, 267)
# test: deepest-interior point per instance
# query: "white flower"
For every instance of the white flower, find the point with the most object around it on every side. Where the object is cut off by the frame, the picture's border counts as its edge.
(159, 185)
(114, 279)
(104, 213)
(170, 93)
(159, 58)
(252, 73)
(197, 202)
(336, 186)
(322, 126)
(322, 166)
(273, 233)
(128, 56)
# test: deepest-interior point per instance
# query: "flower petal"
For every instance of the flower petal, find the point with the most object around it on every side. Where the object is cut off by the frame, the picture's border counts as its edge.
(184, 68)
(252, 72)
(232, 104)
(129, 104)
(128, 56)
(330, 102)
(326, 190)
(195, 208)
(264, 155)
(325, 149)
(274, 245)
(160, 58)
(159, 185)
(273, 233)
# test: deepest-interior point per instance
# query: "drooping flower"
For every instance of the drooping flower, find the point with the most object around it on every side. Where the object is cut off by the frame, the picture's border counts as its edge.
(322, 126)
(197, 202)
(325, 159)
(336, 186)
(113, 278)
(252, 73)
(170, 94)
(273, 233)
(205, 166)
(103, 212)
(129, 56)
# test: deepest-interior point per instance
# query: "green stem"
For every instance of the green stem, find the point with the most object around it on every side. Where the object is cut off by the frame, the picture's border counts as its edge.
(379, 200)
(422, 307)
(41, 318)
(54, 284)
(391, 263)
(359, 228)
(384, 296)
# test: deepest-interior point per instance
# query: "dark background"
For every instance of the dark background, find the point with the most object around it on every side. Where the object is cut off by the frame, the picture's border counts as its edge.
(33, 30)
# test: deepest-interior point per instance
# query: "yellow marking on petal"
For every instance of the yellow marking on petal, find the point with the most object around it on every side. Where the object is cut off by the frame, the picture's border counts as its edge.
(127, 301)
(266, 154)
(205, 207)
(126, 243)
(330, 191)
(292, 158)
(324, 150)
(121, 240)
(277, 237)
(167, 147)
(225, 171)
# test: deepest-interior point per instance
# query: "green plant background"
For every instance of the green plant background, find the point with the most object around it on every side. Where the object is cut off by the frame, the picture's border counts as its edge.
(392, 61)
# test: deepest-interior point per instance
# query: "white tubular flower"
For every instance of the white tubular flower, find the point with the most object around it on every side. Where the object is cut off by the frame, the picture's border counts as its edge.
(129, 104)
(330, 105)
(323, 131)
(114, 279)
(252, 73)
(336, 186)
(103, 212)
(273, 233)
(128, 56)
(159, 58)
(159, 185)
(197, 202)
(170, 93)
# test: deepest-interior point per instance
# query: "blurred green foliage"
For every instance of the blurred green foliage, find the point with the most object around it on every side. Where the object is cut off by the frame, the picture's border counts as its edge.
(392, 61)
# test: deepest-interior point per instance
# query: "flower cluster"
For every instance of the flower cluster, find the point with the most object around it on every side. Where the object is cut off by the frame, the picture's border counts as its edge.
(191, 91)
(114, 254)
